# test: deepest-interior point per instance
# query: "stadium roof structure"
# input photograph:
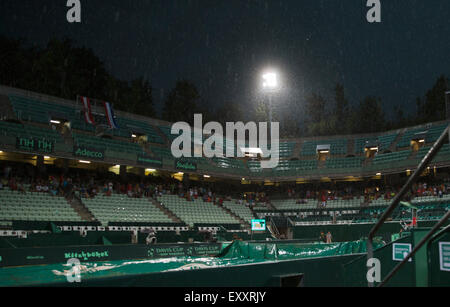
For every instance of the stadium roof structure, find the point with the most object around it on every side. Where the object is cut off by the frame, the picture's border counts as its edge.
(27, 115)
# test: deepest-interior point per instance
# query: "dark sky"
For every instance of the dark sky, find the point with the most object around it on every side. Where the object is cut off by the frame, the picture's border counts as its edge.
(224, 45)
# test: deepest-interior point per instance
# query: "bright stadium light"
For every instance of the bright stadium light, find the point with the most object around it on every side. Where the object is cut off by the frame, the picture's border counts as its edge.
(270, 85)
(270, 80)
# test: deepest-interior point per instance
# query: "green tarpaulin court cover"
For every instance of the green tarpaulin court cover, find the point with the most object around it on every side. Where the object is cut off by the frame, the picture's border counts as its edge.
(236, 253)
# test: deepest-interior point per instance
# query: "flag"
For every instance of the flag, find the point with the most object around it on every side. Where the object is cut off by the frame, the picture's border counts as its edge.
(110, 115)
(87, 111)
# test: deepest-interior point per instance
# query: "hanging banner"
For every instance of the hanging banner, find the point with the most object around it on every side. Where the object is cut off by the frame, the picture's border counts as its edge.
(88, 152)
(185, 166)
(34, 144)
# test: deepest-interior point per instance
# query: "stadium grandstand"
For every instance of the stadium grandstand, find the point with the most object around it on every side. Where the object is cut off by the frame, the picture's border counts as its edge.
(70, 189)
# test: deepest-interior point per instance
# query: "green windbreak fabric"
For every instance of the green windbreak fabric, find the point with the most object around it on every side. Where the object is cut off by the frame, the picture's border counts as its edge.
(285, 251)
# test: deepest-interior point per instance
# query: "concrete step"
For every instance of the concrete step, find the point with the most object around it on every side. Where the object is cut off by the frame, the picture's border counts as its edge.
(244, 223)
(81, 209)
(166, 211)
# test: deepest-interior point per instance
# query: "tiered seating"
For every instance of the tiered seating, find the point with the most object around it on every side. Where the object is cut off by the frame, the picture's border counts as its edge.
(351, 162)
(286, 149)
(166, 131)
(29, 109)
(260, 207)
(196, 211)
(337, 147)
(14, 129)
(405, 140)
(235, 166)
(434, 133)
(442, 154)
(427, 210)
(360, 143)
(290, 204)
(116, 148)
(293, 168)
(391, 157)
(422, 152)
(34, 206)
(254, 166)
(385, 141)
(121, 208)
(127, 124)
(240, 210)
(431, 199)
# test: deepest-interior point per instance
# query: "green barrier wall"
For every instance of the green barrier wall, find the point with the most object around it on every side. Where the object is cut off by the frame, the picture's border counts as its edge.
(68, 239)
(345, 233)
(246, 264)
(356, 271)
(423, 270)
(49, 255)
(439, 261)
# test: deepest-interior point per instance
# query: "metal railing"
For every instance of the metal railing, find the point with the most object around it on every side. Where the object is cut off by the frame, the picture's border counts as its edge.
(395, 202)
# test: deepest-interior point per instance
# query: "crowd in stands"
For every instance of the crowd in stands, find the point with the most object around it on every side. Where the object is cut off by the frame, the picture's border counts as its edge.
(87, 184)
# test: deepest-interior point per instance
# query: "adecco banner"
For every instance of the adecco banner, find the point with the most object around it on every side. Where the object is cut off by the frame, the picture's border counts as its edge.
(185, 166)
(88, 153)
(145, 160)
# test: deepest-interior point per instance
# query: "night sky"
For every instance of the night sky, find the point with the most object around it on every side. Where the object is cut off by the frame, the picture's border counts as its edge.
(224, 45)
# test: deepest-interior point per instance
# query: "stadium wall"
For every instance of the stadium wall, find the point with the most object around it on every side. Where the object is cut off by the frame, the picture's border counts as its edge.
(351, 232)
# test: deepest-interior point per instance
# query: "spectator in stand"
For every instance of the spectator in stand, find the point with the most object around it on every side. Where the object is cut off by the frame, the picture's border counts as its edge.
(130, 190)
(21, 188)
(195, 193)
(45, 188)
(322, 237)
(329, 237)
(53, 190)
(38, 187)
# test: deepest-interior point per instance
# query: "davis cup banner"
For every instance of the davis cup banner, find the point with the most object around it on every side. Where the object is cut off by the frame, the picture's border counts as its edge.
(88, 153)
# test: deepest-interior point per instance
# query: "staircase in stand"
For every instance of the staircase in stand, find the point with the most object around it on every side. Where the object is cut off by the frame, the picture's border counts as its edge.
(351, 147)
(246, 225)
(81, 209)
(167, 212)
(393, 146)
